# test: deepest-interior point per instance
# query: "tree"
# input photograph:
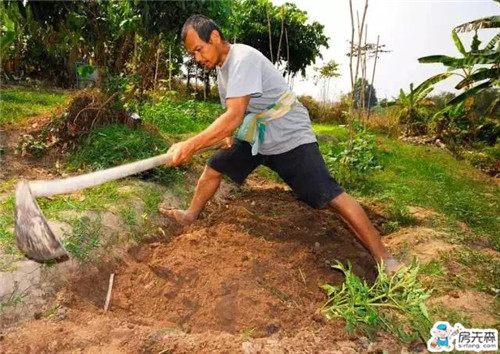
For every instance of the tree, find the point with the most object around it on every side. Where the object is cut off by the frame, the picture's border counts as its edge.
(288, 24)
(412, 106)
(364, 91)
(474, 79)
(325, 73)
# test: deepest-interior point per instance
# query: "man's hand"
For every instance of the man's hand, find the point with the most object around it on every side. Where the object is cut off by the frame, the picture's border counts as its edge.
(181, 152)
(228, 143)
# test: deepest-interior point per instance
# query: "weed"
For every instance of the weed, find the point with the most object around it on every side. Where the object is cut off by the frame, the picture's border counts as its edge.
(394, 303)
(128, 216)
(248, 332)
(84, 238)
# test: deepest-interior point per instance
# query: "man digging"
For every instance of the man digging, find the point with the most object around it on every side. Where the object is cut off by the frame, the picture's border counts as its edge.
(274, 131)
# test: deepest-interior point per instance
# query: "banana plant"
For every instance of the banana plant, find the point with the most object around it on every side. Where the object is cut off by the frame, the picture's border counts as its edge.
(474, 79)
(412, 106)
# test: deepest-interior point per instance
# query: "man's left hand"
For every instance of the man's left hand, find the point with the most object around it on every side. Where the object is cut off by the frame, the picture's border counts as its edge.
(181, 152)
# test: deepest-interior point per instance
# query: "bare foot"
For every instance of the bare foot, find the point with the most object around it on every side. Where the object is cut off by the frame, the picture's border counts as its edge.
(180, 216)
(391, 265)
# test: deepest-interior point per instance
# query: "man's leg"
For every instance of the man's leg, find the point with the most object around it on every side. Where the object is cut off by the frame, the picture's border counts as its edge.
(305, 171)
(355, 217)
(207, 185)
(236, 162)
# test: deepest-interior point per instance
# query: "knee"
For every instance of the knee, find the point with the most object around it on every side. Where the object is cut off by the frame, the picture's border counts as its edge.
(209, 174)
(341, 201)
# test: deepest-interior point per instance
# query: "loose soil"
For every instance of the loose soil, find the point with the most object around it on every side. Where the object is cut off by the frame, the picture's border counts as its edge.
(244, 278)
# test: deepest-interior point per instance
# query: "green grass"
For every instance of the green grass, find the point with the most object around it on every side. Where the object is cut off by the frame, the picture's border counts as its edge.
(181, 117)
(17, 104)
(429, 177)
(83, 238)
(483, 269)
(117, 144)
(7, 239)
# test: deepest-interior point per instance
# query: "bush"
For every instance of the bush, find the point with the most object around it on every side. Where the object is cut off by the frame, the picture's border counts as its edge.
(352, 165)
(325, 112)
(181, 117)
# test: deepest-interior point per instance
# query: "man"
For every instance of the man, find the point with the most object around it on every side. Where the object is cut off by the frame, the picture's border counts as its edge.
(279, 137)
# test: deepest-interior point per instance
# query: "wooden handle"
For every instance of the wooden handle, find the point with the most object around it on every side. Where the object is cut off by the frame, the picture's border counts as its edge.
(76, 183)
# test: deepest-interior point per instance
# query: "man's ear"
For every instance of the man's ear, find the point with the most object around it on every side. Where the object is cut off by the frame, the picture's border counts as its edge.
(215, 38)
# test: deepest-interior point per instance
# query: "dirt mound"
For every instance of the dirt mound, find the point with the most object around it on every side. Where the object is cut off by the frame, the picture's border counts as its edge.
(86, 111)
(244, 278)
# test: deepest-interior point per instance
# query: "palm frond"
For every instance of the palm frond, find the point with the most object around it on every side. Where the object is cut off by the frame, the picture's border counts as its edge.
(491, 44)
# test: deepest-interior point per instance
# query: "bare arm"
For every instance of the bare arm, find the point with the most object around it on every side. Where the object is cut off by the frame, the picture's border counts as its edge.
(222, 127)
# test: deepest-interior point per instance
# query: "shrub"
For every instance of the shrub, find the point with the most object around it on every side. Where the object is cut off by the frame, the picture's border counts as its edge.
(356, 161)
(181, 117)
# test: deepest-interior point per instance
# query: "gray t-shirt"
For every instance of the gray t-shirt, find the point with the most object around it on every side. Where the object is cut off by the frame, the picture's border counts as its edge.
(247, 71)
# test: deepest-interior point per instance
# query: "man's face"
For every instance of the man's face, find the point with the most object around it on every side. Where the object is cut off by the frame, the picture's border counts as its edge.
(206, 54)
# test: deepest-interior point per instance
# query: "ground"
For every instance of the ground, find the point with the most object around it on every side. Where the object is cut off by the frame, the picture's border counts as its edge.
(244, 278)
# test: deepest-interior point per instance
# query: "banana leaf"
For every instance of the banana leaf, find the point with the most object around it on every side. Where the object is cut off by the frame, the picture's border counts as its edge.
(481, 74)
(473, 91)
(486, 22)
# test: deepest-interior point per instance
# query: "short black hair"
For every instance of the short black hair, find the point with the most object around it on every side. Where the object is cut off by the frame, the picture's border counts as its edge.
(203, 27)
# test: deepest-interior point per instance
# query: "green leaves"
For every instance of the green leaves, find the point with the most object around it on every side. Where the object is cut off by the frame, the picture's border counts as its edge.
(458, 42)
(475, 56)
(393, 303)
(85, 70)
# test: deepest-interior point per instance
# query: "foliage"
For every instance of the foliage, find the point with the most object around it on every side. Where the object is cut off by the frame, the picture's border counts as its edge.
(181, 117)
(325, 111)
(474, 78)
(304, 40)
(369, 96)
(46, 39)
(394, 303)
(356, 161)
(413, 112)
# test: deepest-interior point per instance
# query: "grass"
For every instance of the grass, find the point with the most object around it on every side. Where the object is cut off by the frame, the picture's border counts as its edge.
(431, 178)
(483, 269)
(17, 104)
(117, 144)
(181, 117)
(7, 239)
(83, 238)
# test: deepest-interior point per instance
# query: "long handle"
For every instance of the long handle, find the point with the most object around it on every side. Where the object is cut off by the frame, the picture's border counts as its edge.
(72, 184)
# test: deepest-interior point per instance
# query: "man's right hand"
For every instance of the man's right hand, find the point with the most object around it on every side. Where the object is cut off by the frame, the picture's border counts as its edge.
(180, 153)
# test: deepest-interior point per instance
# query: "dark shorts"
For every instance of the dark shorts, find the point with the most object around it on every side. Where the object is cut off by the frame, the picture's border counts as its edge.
(302, 168)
